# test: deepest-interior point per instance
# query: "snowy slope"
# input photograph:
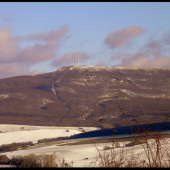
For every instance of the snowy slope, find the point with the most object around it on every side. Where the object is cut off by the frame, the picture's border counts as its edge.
(25, 133)
(34, 135)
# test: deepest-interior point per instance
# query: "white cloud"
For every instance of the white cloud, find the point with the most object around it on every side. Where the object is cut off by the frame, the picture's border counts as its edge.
(16, 60)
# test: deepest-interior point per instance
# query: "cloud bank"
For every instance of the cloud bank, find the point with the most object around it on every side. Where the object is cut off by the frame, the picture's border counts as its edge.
(123, 36)
(153, 54)
(15, 60)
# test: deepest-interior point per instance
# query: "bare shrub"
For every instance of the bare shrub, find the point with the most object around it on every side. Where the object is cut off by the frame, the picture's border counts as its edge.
(15, 146)
(42, 160)
(50, 139)
(155, 147)
(4, 159)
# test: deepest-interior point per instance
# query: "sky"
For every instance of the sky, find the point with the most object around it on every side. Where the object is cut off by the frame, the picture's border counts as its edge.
(40, 37)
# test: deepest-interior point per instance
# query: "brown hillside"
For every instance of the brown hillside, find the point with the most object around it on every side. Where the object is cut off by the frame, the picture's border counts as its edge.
(80, 96)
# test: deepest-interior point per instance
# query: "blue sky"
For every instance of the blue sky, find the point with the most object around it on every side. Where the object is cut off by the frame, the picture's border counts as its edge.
(41, 37)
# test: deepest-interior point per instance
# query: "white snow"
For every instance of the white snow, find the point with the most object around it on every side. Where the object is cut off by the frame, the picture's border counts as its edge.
(86, 154)
(34, 135)
(81, 154)
(25, 133)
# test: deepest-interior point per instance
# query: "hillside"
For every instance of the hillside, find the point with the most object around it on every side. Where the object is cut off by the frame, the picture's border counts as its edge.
(80, 96)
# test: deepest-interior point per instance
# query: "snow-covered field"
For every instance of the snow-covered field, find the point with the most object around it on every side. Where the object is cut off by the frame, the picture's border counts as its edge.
(23, 133)
(12, 128)
(85, 155)
(34, 135)
(81, 154)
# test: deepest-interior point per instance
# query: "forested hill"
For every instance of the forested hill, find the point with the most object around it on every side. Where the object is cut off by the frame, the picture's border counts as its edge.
(86, 96)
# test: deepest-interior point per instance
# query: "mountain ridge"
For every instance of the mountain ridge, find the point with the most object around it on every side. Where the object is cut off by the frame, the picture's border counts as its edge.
(86, 96)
